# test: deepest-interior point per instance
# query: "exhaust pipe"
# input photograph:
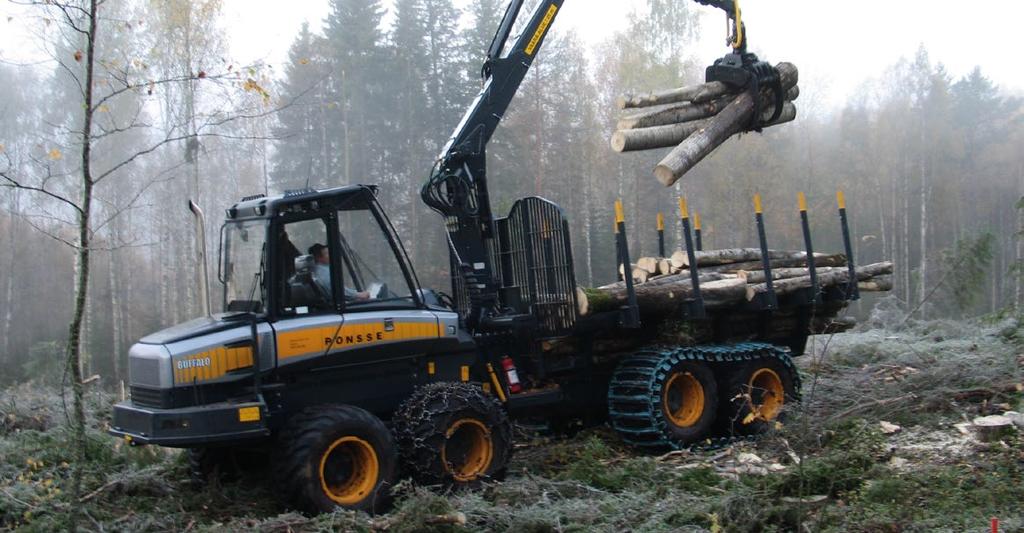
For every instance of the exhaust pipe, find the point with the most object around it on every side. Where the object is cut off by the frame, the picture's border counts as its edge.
(204, 281)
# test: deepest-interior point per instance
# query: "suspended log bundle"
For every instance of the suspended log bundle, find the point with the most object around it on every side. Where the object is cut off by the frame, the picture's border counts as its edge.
(698, 118)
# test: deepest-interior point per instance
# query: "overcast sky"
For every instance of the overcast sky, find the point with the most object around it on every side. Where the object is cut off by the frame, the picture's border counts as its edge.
(836, 44)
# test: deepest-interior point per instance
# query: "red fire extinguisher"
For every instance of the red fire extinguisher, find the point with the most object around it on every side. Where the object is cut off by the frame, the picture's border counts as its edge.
(510, 375)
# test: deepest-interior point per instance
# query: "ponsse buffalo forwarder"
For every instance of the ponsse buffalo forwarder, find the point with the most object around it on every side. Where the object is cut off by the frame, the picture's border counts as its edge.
(332, 361)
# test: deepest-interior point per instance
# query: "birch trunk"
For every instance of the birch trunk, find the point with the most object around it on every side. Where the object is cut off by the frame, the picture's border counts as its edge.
(923, 293)
(115, 316)
(1019, 255)
(74, 348)
(10, 270)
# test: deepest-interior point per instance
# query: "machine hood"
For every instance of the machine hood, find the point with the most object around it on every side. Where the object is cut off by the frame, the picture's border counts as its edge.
(193, 328)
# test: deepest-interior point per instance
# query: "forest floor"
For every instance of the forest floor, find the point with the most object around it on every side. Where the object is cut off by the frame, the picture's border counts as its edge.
(833, 465)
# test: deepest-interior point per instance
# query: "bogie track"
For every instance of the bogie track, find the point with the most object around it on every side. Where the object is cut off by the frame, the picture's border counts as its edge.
(649, 392)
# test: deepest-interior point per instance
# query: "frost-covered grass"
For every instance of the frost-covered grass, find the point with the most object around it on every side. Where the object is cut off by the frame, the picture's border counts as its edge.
(928, 477)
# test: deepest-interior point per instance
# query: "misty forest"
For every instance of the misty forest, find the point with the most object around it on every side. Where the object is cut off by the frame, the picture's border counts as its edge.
(136, 108)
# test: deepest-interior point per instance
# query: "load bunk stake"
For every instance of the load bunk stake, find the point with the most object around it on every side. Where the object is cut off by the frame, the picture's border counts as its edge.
(815, 296)
(696, 306)
(852, 291)
(697, 232)
(768, 300)
(630, 312)
(661, 234)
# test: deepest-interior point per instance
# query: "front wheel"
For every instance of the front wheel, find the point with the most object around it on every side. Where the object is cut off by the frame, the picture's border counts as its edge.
(335, 456)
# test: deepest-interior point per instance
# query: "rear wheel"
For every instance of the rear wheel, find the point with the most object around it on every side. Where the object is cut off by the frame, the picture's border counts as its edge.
(335, 456)
(453, 433)
(758, 394)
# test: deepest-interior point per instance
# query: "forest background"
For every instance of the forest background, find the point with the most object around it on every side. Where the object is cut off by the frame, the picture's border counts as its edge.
(930, 162)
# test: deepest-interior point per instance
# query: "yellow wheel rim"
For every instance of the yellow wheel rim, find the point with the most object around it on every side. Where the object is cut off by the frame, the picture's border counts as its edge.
(767, 394)
(467, 450)
(349, 470)
(683, 399)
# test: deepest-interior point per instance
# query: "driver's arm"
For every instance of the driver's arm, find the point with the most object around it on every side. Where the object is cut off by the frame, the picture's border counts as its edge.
(353, 295)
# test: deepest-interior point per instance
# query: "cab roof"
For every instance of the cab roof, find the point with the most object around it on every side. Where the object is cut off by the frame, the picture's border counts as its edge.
(262, 206)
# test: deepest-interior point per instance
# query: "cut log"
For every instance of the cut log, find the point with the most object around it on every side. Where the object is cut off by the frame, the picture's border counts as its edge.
(660, 298)
(702, 142)
(834, 260)
(640, 275)
(622, 271)
(681, 112)
(879, 284)
(678, 259)
(757, 276)
(626, 140)
(673, 114)
(665, 266)
(681, 94)
(650, 264)
(828, 279)
(731, 120)
(664, 136)
(742, 255)
(673, 278)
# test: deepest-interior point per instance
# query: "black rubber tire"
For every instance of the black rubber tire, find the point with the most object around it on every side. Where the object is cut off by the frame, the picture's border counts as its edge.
(424, 423)
(636, 400)
(740, 398)
(309, 435)
(210, 465)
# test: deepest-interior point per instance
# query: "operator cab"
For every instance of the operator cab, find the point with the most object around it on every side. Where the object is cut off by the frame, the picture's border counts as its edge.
(307, 252)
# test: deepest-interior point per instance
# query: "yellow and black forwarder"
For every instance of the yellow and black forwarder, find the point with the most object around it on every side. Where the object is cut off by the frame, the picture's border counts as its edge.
(331, 358)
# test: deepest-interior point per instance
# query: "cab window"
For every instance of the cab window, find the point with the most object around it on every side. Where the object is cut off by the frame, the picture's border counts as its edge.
(304, 254)
(371, 272)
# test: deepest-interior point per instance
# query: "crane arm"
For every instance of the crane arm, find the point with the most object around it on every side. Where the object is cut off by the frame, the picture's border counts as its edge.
(457, 188)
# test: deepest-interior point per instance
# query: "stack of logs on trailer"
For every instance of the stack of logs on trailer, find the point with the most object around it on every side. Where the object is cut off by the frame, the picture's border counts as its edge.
(694, 296)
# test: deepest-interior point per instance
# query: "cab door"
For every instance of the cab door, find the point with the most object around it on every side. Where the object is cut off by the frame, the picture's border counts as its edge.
(371, 350)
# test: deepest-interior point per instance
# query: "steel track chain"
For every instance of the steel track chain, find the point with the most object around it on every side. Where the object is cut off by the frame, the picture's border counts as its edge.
(634, 393)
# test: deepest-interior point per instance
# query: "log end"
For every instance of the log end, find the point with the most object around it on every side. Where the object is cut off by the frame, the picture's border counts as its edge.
(582, 304)
(665, 175)
(618, 141)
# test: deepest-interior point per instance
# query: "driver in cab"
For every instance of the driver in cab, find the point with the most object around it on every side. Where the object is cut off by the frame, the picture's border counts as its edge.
(322, 274)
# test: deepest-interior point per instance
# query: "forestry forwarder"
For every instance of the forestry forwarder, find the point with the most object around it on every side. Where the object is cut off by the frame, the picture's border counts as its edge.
(340, 381)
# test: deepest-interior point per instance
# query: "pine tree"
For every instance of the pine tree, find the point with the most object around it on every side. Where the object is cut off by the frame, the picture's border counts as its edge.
(303, 154)
(356, 92)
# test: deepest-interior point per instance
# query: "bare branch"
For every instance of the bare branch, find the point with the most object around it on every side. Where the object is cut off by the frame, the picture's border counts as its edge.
(14, 184)
(138, 194)
(46, 232)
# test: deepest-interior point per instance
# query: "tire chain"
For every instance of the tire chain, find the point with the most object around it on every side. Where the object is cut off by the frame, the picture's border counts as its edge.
(415, 425)
(631, 413)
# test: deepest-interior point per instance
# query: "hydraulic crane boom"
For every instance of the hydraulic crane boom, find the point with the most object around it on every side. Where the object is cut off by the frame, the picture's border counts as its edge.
(458, 186)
